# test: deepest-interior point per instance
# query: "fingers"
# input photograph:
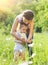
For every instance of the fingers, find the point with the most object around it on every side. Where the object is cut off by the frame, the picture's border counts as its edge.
(29, 41)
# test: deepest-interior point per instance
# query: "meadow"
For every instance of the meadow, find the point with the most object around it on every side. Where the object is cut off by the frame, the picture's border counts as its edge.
(9, 9)
(40, 48)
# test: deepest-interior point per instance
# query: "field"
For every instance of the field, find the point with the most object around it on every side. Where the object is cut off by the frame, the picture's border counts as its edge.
(40, 48)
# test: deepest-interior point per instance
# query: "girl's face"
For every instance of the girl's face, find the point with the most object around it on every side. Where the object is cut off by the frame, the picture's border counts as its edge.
(24, 29)
(26, 21)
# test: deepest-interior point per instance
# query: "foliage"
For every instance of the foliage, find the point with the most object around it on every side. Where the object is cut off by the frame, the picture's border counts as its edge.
(39, 8)
(6, 20)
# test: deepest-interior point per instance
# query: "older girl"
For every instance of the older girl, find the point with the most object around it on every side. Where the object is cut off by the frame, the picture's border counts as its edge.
(24, 18)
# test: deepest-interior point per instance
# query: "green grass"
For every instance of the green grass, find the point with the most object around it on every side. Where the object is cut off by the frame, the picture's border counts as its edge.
(40, 48)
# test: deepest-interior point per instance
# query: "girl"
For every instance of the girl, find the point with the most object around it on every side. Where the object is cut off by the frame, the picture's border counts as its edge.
(24, 18)
(19, 49)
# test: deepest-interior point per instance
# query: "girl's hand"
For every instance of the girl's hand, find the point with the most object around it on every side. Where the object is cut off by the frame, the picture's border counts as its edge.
(28, 41)
(23, 40)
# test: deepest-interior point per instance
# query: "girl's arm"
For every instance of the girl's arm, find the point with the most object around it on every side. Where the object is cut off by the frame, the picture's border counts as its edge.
(14, 29)
(31, 30)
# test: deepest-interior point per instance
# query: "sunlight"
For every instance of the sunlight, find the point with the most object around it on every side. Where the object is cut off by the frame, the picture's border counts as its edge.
(3, 3)
(6, 3)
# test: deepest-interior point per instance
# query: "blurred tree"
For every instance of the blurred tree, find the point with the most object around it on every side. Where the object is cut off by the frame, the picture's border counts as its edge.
(39, 7)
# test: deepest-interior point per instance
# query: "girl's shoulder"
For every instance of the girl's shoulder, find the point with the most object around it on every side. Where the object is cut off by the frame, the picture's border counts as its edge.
(19, 16)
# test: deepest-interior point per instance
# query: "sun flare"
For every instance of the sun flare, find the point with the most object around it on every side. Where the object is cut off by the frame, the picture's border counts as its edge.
(3, 3)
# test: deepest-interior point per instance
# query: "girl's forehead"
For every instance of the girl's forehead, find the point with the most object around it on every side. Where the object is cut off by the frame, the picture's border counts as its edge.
(23, 26)
(26, 21)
